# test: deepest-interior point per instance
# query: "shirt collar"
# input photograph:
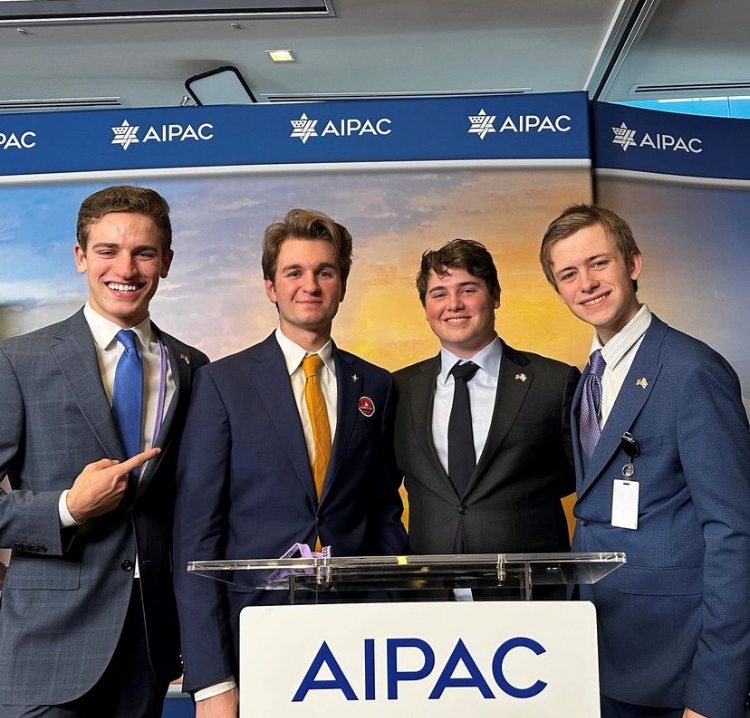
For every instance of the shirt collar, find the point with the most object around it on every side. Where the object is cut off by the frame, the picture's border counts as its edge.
(622, 342)
(294, 353)
(487, 359)
(104, 331)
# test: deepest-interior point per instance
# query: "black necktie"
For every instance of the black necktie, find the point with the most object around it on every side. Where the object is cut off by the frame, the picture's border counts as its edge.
(461, 456)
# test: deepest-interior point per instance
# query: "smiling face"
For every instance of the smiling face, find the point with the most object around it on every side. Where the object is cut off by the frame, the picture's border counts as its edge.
(460, 311)
(594, 280)
(124, 260)
(307, 290)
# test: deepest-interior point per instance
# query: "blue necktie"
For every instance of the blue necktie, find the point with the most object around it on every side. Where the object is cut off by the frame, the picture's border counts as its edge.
(462, 458)
(591, 403)
(127, 398)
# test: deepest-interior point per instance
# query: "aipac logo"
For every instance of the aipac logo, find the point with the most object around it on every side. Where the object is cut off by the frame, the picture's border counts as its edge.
(304, 128)
(623, 136)
(662, 141)
(125, 135)
(482, 124)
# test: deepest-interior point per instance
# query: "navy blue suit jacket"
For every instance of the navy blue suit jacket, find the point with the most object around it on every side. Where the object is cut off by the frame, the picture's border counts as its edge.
(246, 490)
(674, 623)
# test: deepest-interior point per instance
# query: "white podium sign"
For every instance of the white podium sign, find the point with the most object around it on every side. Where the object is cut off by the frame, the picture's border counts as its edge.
(432, 660)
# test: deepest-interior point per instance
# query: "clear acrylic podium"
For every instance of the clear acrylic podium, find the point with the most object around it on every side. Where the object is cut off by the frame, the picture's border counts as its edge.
(434, 577)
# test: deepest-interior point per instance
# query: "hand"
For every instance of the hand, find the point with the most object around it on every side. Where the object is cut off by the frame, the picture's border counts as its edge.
(99, 488)
(692, 714)
(224, 705)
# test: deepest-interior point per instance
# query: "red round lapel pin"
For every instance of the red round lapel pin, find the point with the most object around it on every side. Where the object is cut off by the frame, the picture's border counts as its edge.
(366, 406)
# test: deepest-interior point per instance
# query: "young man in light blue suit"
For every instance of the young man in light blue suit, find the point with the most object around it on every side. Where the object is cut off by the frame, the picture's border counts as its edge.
(668, 483)
(246, 486)
(88, 624)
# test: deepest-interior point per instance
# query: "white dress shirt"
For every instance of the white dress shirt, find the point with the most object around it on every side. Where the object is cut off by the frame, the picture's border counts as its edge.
(619, 353)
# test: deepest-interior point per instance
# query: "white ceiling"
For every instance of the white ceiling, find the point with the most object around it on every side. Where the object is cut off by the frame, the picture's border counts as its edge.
(373, 47)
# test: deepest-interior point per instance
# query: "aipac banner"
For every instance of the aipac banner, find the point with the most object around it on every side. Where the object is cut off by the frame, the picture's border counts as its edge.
(628, 138)
(433, 660)
(526, 127)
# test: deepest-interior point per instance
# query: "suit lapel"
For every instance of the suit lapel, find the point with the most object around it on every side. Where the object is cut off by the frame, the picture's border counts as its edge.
(76, 357)
(349, 391)
(422, 398)
(513, 383)
(182, 377)
(631, 399)
(270, 378)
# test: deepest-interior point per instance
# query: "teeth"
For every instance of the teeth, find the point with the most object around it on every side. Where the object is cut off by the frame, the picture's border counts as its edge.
(122, 287)
(456, 320)
(594, 302)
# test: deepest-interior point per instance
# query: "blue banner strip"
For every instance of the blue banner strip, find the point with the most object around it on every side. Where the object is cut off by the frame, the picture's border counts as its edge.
(539, 126)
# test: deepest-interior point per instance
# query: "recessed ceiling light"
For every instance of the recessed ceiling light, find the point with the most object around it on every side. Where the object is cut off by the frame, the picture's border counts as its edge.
(281, 55)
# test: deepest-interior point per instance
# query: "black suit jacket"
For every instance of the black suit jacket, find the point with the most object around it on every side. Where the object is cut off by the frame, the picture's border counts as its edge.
(512, 503)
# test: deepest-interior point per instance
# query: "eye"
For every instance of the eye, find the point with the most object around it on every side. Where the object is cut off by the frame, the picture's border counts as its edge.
(566, 276)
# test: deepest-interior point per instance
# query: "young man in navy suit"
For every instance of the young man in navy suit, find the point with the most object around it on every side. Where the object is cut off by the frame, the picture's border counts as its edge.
(88, 625)
(249, 457)
(662, 474)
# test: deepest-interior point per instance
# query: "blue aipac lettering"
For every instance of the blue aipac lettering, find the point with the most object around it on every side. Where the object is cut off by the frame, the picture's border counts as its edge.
(459, 656)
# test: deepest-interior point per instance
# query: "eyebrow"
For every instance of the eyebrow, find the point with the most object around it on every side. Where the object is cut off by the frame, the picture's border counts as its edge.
(470, 283)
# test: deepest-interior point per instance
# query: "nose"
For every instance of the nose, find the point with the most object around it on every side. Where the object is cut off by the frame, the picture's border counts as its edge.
(125, 265)
(455, 303)
(589, 282)
(311, 283)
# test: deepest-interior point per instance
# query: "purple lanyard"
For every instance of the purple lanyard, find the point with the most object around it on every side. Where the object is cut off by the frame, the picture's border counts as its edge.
(162, 391)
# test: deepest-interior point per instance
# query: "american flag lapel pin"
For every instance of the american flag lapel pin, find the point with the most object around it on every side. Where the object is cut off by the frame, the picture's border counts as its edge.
(521, 377)
(642, 382)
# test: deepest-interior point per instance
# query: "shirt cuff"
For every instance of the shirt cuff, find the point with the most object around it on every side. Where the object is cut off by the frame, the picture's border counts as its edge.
(214, 690)
(66, 519)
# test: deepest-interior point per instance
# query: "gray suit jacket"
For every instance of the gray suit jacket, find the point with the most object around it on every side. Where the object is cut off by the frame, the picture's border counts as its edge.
(512, 503)
(67, 592)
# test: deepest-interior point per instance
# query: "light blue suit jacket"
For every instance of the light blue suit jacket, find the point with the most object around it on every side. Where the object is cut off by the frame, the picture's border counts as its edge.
(674, 623)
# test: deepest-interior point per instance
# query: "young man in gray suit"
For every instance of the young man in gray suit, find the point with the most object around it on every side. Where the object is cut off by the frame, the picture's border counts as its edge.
(88, 624)
(507, 498)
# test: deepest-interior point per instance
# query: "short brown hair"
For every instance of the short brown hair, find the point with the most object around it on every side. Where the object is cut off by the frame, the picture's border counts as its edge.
(580, 216)
(306, 224)
(467, 254)
(124, 198)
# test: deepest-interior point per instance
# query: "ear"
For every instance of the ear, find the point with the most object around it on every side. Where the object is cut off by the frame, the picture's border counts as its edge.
(636, 265)
(80, 257)
(166, 263)
(270, 291)
(343, 291)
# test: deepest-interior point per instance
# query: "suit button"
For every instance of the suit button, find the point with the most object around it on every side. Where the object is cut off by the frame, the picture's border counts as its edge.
(319, 520)
(127, 565)
(584, 522)
(463, 510)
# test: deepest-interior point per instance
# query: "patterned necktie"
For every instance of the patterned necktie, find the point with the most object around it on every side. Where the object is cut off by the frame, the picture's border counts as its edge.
(321, 428)
(127, 398)
(591, 403)
(462, 458)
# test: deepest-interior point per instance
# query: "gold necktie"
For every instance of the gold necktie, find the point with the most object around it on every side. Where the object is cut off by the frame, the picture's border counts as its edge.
(321, 428)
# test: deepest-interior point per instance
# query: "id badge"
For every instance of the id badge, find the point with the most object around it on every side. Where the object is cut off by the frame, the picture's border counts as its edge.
(625, 504)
